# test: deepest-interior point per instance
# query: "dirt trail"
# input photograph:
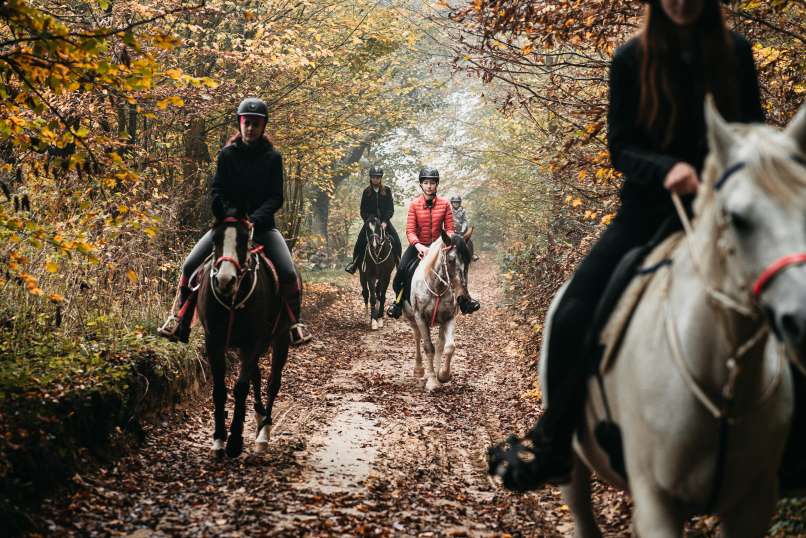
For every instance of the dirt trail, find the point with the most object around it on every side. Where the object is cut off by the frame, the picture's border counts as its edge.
(358, 447)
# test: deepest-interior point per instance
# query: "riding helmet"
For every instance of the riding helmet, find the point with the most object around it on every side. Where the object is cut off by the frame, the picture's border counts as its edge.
(429, 172)
(252, 106)
(456, 198)
(375, 171)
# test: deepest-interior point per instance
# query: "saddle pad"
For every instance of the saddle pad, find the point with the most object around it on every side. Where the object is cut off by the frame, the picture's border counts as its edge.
(613, 331)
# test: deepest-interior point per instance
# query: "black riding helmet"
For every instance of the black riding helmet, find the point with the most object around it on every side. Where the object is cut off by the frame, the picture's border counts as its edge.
(252, 106)
(429, 172)
(375, 171)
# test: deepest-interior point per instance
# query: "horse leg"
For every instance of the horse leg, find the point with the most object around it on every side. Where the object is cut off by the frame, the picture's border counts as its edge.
(419, 372)
(577, 496)
(373, 313)
(383, 285)
(261, 437)
(655, 514)
(365, 292)
(240, 392)
(447, 346)
(218, 368)
(751, 516)
(431, 382)
(279, 355)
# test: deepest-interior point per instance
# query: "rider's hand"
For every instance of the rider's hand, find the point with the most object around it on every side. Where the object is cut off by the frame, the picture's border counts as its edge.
(682, 179)
(383, 225)
(421, 249)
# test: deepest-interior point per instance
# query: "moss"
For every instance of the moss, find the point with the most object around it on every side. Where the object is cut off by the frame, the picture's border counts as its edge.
(63, 398)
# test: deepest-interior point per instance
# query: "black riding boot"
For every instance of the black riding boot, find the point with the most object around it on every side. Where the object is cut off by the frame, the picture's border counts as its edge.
(352, 266)
(468, 305)
(177, 327)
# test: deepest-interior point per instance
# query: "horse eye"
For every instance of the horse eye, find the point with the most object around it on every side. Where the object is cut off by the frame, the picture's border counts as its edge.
(739, 222)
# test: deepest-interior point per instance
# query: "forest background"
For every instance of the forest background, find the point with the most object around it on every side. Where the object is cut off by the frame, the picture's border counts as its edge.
(112, 112)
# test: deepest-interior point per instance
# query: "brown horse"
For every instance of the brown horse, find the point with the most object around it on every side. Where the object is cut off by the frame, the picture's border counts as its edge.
(240, 307)
(376, 269)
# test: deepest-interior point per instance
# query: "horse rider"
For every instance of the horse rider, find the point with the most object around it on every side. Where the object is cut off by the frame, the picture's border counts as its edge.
(376, 201)
(657, 140)
(248, 176)
(460, 222)
(428, 215)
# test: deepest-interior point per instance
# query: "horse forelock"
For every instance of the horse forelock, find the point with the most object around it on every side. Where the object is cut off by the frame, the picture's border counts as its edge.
(769, 156)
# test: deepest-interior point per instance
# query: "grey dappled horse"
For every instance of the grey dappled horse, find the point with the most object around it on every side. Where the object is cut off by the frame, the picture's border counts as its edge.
(700, 389)
(240, 307)
(375, 270)
(439, 282)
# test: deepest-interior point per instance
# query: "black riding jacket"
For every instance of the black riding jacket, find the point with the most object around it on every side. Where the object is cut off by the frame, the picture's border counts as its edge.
(377, 204)
(249, 178)
(639, 154)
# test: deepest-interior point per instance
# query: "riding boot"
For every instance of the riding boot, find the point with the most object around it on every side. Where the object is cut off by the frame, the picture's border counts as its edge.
(352, 266)
(468, 305)
(398, 286)
(177, 327)
(298, 333)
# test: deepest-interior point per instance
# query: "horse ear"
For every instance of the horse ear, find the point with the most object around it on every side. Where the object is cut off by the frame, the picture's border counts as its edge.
(446, 239)
(720, 138)
(796, 130)
(468, 233)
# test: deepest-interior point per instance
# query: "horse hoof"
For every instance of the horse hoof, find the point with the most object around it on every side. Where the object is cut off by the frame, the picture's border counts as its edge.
(374, 325)
(444, 377)
(261, 447)
(419, 372)
(431, 385)
(218, 448)
(234, 446)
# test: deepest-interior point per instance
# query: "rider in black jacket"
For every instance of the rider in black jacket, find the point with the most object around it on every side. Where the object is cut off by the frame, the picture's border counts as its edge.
(657, 139)
(376, 201)
(249, 177)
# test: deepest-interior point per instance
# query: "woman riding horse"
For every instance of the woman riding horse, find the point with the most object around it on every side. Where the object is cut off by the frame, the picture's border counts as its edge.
(376, 201)
(428, 215)
(248, 176)
(657, 139)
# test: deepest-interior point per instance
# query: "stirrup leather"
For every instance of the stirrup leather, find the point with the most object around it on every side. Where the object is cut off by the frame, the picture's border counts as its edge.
(298, 334)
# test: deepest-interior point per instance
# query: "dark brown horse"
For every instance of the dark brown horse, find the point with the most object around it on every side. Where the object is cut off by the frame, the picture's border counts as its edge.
(240, 307)
(376, 269)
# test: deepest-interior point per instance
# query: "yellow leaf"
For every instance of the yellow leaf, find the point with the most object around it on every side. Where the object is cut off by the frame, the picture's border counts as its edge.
(576, 202)
(132, 276)
(51, 267)
(607, 219)
(56, 297)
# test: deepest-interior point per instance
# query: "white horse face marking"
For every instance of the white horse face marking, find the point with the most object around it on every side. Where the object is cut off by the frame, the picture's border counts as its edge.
(227, 274)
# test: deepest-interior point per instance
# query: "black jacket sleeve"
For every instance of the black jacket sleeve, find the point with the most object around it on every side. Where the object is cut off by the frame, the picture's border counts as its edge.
(750, 110)
(387, 205)
(219, 202)
(629, 151)
(263, 216)
(366, 204)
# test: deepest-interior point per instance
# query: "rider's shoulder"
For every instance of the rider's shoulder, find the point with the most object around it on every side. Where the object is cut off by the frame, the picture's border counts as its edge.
(741, 44)
(628, 52)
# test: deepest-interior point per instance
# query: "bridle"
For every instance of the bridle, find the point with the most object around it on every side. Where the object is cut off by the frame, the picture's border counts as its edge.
(444, 281)
(375, 255)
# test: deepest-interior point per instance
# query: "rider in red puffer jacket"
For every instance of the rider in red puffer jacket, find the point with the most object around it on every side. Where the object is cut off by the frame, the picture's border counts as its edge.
(428, 216)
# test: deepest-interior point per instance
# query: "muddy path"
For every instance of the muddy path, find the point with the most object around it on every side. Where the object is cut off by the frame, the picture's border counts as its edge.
(358, 447)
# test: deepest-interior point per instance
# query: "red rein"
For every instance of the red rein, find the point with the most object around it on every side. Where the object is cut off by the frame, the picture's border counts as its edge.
(776, 267)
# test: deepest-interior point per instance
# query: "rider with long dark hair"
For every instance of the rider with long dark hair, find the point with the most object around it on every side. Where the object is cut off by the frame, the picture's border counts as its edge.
(657, 139)
(248, 177)
(428, 215)
(376, 201)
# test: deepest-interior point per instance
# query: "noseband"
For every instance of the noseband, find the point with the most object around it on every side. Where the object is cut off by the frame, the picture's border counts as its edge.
(221, 259)
(776, 267)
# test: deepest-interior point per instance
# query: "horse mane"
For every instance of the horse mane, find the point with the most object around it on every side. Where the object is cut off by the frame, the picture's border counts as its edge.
(768, 154)
(431, 256)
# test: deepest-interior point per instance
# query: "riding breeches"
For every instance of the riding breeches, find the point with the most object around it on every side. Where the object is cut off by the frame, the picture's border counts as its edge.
(277, 251)
(361, 243)
(405, 270)
(567, 368)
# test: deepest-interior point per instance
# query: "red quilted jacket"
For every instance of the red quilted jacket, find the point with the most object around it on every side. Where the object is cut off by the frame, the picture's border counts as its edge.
(423, 224)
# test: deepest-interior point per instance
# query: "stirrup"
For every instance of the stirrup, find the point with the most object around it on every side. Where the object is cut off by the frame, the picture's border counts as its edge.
(171, 329)
(298, 334)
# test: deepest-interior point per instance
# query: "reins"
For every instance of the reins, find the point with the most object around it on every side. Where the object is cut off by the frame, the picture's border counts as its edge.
(444, 281)
(385, 240)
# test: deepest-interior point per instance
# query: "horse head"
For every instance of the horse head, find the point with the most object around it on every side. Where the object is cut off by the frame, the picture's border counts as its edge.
(756, 177)
(457, 261)
(231, 235)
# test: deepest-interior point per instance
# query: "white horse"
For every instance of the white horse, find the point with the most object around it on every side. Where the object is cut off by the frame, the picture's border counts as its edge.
(702, 395)
(438, 284)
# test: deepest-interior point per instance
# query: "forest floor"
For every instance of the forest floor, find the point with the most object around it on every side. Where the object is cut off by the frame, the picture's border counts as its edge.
(358, 447)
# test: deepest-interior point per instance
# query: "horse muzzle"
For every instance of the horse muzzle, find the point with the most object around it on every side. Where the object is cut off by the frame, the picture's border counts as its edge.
(785, 306)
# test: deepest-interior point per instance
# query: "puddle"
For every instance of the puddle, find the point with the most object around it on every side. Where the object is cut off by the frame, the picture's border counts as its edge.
(342, 456)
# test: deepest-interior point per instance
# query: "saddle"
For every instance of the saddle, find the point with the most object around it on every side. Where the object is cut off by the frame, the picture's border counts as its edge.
(257, 256)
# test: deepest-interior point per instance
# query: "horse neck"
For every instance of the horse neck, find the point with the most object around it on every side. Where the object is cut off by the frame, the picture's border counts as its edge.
(709, 331)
